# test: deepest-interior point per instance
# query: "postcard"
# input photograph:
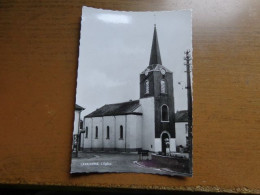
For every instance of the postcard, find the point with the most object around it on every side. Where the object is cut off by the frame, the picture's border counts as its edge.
(133, 109)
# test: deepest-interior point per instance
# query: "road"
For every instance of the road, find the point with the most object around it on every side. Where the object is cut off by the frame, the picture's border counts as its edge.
(97, 162)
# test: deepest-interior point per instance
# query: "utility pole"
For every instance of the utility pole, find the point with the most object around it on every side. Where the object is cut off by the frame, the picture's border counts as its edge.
(187, 63)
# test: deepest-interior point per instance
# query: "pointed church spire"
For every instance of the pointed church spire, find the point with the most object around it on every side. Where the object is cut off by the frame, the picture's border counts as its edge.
(155, 57)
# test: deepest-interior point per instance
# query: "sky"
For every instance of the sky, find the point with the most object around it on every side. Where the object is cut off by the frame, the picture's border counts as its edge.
(115, 48)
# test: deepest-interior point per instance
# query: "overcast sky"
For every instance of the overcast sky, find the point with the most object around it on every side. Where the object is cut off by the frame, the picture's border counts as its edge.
(115, 48)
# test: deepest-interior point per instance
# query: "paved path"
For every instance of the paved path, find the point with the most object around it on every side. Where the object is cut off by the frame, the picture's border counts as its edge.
(112, 162)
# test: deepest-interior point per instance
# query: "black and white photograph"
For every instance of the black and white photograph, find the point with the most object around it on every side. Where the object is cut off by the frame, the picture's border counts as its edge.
(133, 109)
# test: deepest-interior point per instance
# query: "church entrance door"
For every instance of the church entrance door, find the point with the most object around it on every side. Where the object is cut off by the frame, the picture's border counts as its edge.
(165, 141)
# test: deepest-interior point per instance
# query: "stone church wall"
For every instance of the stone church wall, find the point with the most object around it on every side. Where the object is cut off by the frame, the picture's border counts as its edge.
(97, 142)
(120, 143)
(148, 132)
(87, 140)
(134, 132)
(109, 142)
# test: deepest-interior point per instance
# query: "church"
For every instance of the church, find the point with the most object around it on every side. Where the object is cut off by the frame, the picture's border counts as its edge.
(147, 123)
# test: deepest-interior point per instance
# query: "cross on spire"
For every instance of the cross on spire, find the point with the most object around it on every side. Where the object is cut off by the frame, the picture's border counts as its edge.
(155, 57)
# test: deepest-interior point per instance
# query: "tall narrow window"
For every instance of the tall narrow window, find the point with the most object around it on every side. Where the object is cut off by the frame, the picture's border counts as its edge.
(108, 136)
(163, 86)
(165, 113)
(86, 136)
(96, 132)
(146, 86)
(121, 132)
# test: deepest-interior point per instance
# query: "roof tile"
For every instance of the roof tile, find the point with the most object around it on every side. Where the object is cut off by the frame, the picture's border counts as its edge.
(116, 109)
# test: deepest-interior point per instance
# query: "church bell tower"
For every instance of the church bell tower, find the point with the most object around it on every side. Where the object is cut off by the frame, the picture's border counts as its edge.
(157, 81)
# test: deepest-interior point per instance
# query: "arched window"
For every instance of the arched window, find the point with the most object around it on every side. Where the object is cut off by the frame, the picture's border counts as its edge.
(146, 86)
(108, 136)
(96, 132)
(86, 136)
(163, 86)
(121, 132)
(165, 113)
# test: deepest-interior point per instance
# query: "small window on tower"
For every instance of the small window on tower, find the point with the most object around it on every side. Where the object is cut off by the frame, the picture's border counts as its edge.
(163, 86)
(146, 86)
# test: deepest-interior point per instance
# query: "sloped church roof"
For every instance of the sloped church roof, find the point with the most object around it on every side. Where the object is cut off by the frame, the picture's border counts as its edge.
(77, 107)
(124, 108)
(181, 116)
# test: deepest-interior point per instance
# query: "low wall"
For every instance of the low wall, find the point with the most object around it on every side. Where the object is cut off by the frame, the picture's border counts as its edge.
(172, 163)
